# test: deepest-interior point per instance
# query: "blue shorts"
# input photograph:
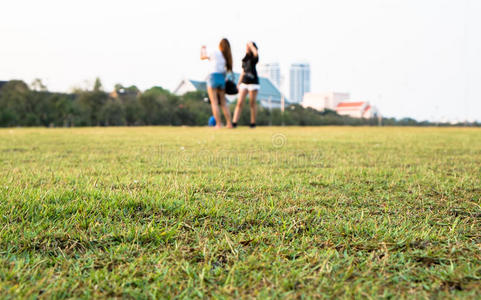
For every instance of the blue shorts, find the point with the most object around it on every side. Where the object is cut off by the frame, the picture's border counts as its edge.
(216, 81)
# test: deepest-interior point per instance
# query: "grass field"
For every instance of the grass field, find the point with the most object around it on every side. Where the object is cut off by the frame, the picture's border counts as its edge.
(269, 213)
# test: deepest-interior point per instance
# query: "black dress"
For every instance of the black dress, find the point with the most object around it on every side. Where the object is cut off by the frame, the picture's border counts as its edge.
(249, 63)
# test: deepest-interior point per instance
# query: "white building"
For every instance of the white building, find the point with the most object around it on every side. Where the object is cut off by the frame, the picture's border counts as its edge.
(357, 110)
(271, 71)
(323, 101)
(188, 85)
(300, 81)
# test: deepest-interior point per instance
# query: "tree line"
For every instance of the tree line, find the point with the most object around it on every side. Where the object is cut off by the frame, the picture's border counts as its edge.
(34, 105)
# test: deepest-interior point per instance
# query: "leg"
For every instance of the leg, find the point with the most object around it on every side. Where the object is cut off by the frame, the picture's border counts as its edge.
(240, 103)
(253, 104)
(213, 96)
(225, 108)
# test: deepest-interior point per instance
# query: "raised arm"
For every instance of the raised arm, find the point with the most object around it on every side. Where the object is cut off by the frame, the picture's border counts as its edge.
(203, 53)
(253, 49)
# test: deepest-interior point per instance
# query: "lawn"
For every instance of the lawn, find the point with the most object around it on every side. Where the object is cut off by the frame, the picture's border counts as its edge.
(278, 212)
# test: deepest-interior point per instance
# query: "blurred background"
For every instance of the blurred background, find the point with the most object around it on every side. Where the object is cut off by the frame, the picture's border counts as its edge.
(419, 59)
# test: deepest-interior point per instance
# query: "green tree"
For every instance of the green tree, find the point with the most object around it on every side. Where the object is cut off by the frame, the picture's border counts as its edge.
(16, 105)
(37, 85)
(113, 113)
(98, 85)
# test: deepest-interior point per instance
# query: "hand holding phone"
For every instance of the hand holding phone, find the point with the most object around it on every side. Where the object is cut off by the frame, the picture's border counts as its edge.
(203, 52)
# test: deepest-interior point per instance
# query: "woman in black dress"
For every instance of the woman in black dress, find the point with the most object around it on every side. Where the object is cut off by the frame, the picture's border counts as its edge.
(248, 84)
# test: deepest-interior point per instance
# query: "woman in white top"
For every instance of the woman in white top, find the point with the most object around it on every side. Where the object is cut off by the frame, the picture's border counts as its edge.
(220, 63)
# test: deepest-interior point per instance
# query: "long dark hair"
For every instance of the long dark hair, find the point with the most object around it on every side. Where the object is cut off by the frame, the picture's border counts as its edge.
(224, 47)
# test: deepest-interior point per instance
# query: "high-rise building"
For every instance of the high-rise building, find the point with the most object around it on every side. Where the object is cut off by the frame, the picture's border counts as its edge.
(271, 71)
(300, 81)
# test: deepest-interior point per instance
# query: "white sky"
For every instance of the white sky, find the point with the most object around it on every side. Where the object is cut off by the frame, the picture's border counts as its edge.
(417, 58)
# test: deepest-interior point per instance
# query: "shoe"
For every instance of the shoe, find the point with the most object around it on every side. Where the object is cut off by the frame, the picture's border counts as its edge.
(253, 125)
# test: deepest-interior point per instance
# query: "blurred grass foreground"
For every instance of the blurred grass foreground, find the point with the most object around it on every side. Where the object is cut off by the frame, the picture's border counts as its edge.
(278, 212)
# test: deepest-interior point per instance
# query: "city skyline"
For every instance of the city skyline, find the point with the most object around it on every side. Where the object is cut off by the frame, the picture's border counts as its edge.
(299, 81)
(272, 71)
